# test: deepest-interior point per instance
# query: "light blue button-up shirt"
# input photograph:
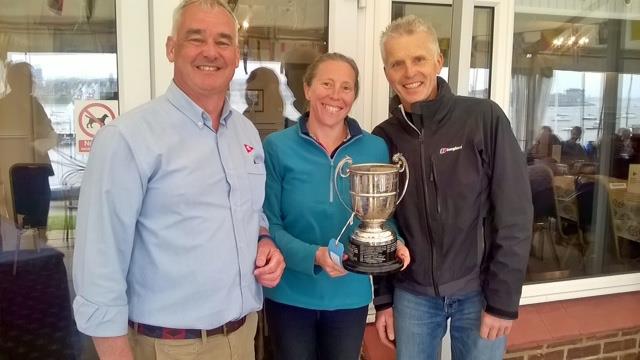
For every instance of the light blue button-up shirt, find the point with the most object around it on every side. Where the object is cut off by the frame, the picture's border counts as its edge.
(168, 220)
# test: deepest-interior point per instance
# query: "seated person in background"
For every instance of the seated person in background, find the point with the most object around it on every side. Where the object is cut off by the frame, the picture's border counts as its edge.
(572, 150)
(543, 144)
(541, 181)
(624, 147)
(623, 153)
(541, 151)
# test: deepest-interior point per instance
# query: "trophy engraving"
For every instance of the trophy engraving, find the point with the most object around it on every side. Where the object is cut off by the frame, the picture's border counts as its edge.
(374, 196)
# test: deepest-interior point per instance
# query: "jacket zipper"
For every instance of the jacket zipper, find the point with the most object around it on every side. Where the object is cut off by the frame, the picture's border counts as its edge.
(434, 180)
(426, 202)
(331, 159)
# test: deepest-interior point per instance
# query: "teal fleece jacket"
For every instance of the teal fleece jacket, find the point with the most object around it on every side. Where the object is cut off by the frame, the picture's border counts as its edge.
(304, 213)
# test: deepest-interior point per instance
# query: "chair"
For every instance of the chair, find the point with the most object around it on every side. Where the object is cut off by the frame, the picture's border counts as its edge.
(571, 220)
(544, 210)
(70, 182)
(31, 195)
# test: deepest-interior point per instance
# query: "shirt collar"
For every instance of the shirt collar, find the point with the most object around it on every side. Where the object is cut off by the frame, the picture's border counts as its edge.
(190, 109)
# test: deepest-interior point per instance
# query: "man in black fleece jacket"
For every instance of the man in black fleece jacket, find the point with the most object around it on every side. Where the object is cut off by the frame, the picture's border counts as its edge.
(467, 214)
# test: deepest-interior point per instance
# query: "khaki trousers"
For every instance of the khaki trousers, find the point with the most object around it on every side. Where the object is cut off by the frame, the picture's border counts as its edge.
(235, 346)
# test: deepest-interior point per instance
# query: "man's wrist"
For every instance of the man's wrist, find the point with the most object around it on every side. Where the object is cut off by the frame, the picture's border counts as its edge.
(264, 236)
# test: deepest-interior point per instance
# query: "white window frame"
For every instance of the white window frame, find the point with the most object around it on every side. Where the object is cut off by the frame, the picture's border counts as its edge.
(132, 37)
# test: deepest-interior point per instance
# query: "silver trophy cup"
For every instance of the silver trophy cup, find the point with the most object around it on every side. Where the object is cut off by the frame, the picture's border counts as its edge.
(374, 196)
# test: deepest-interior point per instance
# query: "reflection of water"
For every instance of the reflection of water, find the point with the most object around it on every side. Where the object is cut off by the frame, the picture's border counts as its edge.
(563, 118)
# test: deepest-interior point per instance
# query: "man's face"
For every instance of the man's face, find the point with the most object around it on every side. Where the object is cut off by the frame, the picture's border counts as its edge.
(204, 52)
(411, 67)
(575, 134)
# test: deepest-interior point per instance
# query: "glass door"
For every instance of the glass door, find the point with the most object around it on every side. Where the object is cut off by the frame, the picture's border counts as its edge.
(66, 70)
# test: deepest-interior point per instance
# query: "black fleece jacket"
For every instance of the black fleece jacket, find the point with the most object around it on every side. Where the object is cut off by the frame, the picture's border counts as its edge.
(466, 217)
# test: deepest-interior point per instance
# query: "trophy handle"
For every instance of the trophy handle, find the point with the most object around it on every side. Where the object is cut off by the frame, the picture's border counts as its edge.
(399, 160)
(339, 171)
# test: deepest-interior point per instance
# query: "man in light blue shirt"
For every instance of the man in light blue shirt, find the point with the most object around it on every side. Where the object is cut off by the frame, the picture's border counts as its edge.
(172, 242)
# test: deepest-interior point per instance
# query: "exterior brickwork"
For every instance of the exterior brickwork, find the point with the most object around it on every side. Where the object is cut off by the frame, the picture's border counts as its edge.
(618, 345)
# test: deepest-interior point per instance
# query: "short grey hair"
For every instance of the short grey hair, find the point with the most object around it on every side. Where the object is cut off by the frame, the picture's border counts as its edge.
(207, 4)
(409, 25)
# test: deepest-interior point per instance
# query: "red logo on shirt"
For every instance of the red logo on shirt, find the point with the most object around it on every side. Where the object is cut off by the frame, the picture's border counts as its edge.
(249, 148)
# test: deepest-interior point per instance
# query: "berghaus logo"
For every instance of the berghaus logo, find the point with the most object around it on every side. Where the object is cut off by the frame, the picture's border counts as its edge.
(445, 150)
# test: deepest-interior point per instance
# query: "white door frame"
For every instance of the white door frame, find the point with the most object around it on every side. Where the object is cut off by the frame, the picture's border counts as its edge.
(132, 38)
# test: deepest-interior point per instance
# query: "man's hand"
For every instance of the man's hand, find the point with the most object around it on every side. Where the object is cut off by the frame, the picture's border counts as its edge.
(113, 348)
(269, 264)
(492, 327)
(402, 253)
(323, 259)
(384, 325)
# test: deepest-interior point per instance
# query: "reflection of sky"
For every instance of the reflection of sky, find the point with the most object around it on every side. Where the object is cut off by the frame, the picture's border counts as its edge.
(593, 83)
(63, 65)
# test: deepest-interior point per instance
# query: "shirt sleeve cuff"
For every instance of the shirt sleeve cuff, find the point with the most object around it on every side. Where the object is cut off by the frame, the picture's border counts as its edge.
(99, 320)
(263, 221)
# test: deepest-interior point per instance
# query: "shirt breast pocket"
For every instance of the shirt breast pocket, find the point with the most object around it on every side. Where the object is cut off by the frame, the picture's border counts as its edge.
(256, 173)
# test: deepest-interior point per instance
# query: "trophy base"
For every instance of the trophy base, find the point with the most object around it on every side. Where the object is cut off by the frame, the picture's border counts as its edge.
(372, 269)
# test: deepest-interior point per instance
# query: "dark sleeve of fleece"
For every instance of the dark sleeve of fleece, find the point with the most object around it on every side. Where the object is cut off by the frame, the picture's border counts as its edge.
(383, 285)
(508, 228)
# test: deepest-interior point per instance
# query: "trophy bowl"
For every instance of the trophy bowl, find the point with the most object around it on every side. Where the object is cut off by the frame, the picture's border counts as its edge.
(374, 190)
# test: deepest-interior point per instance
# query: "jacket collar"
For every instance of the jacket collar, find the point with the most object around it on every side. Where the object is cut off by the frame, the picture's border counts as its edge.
(352, 125)
(432, 112)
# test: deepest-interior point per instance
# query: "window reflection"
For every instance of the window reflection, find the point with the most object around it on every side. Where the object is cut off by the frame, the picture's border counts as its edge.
(278, 40)
(52, 55)
(574, 109)
(440, 17)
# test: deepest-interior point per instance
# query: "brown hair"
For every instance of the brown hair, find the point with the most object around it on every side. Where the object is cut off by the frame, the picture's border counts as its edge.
(310, 74)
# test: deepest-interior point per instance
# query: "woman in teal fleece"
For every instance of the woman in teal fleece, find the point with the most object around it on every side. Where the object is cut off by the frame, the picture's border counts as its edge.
(318, 310)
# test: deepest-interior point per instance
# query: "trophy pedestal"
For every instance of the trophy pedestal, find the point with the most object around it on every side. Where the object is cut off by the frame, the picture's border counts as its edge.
(366, 269)
(372, 251)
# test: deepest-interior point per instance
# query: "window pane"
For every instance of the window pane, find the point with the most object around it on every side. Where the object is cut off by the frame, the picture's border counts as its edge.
(573, 102)
(54, 56)
(481, 46)
(278, 40)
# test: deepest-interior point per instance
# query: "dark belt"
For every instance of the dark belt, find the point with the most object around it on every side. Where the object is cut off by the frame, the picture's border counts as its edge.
(159, 332)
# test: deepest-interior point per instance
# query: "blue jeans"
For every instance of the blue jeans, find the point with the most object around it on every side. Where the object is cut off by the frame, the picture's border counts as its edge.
(421, 322)
(304, 334)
